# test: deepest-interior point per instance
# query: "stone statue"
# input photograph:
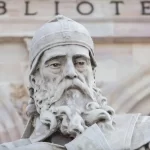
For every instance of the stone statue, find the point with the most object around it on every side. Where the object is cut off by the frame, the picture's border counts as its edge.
(67, 111)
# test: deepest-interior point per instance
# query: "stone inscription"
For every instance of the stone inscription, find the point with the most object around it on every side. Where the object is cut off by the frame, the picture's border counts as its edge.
(83, 8)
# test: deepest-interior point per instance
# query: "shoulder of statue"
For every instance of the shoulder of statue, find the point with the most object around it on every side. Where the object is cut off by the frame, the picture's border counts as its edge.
(132, 129)
(23, 144)
(14, 144)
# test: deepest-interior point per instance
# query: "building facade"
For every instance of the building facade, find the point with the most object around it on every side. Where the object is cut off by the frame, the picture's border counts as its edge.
(119, 28)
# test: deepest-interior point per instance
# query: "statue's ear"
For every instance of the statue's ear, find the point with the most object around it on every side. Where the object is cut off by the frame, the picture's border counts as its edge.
(94, 72)
(32, 81)
(94, 80)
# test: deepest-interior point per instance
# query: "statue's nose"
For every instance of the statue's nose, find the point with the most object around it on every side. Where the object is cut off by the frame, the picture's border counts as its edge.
(70, 70)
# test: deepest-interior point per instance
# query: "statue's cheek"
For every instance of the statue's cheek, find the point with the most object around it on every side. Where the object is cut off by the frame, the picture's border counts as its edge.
(49, 72)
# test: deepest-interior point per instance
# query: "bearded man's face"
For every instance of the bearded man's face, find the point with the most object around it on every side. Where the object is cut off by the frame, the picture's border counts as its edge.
(64, 90)
(67, 71)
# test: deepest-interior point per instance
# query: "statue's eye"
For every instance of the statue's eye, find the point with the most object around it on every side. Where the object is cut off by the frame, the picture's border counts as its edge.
(55, 65)
(80, 63)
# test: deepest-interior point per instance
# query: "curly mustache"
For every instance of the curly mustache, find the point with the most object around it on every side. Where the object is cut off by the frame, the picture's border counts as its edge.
(67, 84)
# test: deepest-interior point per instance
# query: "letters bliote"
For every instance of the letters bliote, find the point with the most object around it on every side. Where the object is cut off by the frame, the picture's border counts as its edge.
(145, 7)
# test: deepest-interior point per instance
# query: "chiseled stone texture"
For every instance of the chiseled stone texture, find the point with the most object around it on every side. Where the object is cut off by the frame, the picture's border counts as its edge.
(116, 62)
(121, 47)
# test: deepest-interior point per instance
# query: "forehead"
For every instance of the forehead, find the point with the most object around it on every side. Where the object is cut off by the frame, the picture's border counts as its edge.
(66, 50)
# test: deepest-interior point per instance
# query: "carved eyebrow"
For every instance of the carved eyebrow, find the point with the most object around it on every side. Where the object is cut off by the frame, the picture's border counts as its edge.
(81, 56)
(55, 57)
(63, 56)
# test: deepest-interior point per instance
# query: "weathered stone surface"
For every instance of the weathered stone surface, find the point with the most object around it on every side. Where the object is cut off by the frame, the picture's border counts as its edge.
(121, 44)
(66, 107)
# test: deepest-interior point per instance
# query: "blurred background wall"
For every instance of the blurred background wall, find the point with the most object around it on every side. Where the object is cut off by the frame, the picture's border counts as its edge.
(120, 30)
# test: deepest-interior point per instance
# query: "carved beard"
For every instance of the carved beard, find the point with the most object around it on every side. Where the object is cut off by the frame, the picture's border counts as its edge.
(72, 107)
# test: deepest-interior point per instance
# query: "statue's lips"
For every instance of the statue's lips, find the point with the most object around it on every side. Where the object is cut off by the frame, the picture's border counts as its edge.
(73, 87)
